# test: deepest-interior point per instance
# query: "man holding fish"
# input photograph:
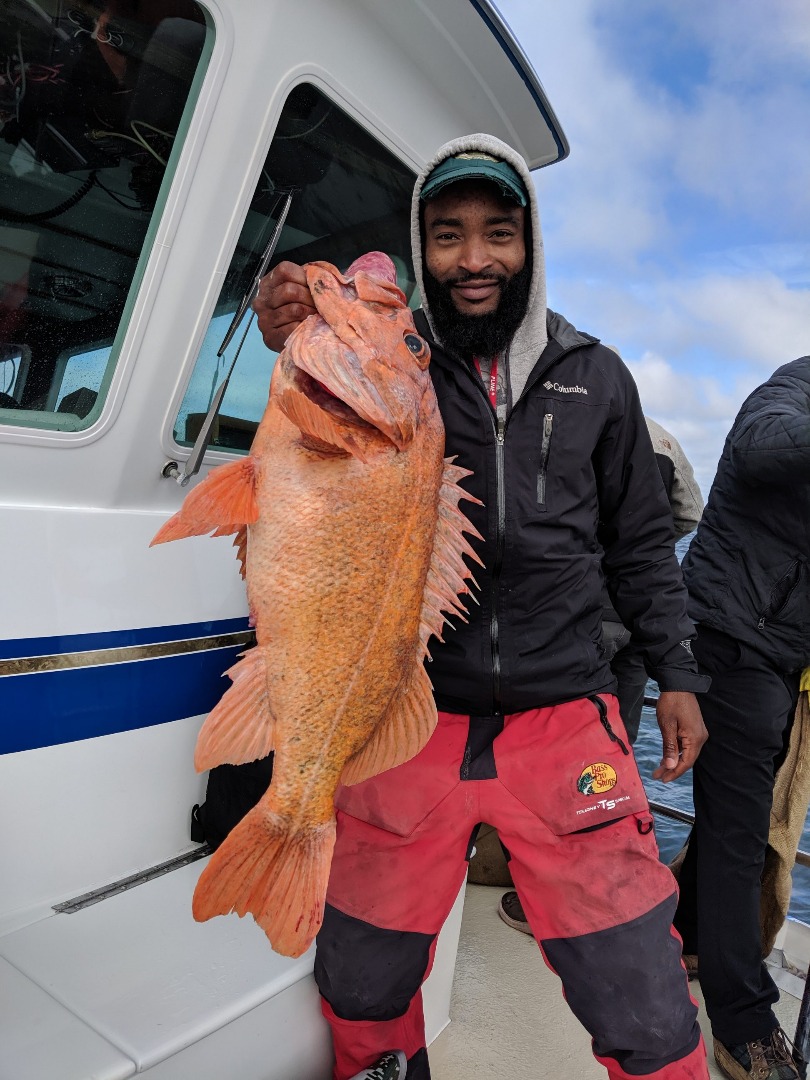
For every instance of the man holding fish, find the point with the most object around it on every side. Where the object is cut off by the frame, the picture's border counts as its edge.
(529, 737)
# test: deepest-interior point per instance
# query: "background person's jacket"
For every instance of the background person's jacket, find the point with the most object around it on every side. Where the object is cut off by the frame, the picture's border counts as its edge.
(685, 502)
(747, 568)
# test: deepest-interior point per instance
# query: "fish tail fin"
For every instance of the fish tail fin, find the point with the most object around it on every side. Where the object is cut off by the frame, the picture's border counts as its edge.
(225, 501)
(241, 726)
(275, 870)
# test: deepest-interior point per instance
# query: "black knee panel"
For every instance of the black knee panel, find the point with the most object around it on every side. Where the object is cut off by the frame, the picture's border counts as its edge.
(365, 972)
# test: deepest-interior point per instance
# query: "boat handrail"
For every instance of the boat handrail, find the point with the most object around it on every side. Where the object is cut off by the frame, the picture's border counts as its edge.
(802, 857)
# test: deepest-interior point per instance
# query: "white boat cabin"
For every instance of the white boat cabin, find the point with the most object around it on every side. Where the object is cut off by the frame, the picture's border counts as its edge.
(148, 151)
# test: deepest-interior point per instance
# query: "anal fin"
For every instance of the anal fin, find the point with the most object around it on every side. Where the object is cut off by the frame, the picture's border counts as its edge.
(403, 732)
(240, 727)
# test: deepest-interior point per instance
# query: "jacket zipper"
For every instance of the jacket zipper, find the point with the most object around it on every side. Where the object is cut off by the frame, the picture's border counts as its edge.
(499, 427)
(545, 446)
(500, 536)
(603, 718)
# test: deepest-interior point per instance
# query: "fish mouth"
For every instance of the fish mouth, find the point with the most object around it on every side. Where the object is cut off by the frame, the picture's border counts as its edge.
(344, 392)
(325, 399)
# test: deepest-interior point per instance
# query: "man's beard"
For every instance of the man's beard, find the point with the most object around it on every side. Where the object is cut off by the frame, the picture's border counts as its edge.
(479, 335)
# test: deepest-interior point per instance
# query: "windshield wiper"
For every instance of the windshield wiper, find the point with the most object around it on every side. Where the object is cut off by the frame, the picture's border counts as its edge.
(195, 459)
(264, 262)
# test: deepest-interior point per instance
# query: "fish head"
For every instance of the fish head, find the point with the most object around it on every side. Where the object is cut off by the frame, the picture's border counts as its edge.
(359, 362)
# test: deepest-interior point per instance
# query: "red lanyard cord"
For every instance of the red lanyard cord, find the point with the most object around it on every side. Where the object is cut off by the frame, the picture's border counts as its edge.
(493, 379)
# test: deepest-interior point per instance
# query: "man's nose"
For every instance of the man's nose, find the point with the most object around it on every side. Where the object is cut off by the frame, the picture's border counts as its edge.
(475, 255)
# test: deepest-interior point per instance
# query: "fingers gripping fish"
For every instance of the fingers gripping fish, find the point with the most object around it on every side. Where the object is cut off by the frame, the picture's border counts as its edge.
(347, 525)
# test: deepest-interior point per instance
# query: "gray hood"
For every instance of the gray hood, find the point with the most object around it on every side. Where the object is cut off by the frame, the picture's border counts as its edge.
(531, 336)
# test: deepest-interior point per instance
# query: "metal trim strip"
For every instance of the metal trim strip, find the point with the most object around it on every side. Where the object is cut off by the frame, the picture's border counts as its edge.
(34, 665)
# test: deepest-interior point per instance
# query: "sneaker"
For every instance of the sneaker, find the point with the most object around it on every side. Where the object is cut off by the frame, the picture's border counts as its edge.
(391, 1066)
(690, 962)
(763, 1059)
(511, 911)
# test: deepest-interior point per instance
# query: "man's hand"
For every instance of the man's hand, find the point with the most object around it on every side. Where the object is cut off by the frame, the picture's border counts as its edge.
(683, 732)
(283, 301)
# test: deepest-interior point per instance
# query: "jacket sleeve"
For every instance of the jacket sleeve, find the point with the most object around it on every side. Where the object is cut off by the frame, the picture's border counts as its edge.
(641, 570)
(683, 492)
(770, 440)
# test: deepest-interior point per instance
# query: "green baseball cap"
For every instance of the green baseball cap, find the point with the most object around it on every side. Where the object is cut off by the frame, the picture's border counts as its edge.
(475, 166)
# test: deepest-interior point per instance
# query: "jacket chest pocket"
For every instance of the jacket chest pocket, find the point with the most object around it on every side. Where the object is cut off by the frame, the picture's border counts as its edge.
(547, 432)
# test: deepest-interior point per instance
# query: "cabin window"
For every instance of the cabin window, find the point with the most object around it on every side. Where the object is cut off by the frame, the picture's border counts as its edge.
(95, 99)
(349, 195)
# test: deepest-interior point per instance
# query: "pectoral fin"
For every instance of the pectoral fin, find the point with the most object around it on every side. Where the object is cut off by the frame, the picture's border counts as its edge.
(223, 502)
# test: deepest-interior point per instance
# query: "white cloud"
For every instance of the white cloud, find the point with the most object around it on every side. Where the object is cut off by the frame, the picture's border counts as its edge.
(678, 228)
(697, 410)
(734, 141)
(697, 346)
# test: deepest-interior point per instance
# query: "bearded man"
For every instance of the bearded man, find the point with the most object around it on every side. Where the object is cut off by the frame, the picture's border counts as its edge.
(529, 737)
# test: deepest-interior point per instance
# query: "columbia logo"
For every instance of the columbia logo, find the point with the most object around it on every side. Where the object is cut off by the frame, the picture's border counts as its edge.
(564, 389)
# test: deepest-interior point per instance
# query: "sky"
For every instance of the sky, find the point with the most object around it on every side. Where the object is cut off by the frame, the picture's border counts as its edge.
(678, 229)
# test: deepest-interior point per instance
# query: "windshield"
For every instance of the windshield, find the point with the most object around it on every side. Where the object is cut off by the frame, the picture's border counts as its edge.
(93, 98)
(349, 195)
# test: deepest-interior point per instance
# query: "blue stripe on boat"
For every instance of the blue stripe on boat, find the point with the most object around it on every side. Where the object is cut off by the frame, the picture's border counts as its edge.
(12, 649)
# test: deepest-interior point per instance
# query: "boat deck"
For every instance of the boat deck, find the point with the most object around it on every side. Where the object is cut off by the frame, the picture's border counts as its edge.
(508, 1017)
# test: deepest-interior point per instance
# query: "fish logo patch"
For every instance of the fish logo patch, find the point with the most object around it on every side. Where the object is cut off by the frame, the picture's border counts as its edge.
(596, 779)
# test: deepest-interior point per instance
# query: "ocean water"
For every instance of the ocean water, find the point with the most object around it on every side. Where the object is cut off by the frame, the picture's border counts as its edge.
(672, 834)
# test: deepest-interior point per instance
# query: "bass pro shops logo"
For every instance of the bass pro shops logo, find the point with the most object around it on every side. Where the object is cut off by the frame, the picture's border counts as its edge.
(596, 779)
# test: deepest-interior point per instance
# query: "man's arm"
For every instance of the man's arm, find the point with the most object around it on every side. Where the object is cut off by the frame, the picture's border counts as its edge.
(682, 731)
(643, 575)
(283, 301)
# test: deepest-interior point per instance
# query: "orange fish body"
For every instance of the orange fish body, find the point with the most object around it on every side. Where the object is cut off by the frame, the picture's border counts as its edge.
(348, 527)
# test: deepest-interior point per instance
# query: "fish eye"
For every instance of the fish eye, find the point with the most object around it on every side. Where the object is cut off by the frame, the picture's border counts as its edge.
(414, 343)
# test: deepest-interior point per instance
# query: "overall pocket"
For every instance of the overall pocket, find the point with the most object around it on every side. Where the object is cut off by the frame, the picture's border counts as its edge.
(570, 765)
(400, 799)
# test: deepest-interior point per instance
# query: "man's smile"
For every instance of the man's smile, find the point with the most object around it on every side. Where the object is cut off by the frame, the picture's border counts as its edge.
(476, 291)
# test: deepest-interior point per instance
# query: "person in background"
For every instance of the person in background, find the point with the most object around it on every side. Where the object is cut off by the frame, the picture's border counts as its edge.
(625, 656)
(748, 575)
(686, 503)
(549, 423)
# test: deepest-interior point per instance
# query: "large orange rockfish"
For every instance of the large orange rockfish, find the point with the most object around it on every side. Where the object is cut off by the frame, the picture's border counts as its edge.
(347, 524)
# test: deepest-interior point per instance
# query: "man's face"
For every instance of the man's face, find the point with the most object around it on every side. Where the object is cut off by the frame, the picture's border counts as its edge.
(474, 244)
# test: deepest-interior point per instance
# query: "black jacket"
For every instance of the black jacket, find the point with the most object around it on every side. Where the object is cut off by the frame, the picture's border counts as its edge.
(747, 568)
(569, 485)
